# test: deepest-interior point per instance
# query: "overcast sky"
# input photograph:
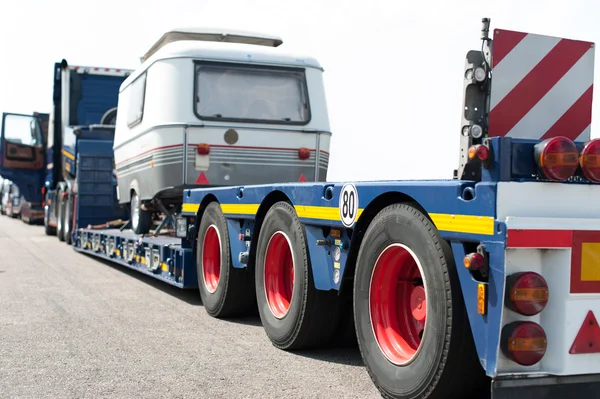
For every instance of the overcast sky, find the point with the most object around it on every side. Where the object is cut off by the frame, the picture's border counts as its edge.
(393, 69)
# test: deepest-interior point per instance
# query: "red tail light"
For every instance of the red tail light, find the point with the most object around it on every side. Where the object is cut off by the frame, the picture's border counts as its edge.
(474, 261)
(524, 342)
(479, 151)
(203, 149)
(557, 158)
(590, 161)
(526, 293)
(303, 153)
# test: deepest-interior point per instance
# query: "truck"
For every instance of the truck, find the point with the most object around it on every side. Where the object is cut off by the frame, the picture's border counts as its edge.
(25, 201)
(83, 113)
(484, 284)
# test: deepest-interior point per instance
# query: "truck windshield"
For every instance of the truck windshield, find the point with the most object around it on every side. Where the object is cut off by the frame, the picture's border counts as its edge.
(251, 93)
(22, 129)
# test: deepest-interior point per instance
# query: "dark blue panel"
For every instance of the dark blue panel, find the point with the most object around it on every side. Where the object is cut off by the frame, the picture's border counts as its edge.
(99, 94)
(178, 263)
(96, 186)
(485, 328)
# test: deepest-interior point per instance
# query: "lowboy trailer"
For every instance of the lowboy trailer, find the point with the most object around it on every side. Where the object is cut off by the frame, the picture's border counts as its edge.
(486, 284)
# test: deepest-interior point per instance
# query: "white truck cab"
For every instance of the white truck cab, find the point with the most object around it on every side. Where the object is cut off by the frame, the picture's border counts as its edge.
(216, 108)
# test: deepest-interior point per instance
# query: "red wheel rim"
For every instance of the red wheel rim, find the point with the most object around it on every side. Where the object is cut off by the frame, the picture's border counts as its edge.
(397, 304)
(211, 258)
(279, 274)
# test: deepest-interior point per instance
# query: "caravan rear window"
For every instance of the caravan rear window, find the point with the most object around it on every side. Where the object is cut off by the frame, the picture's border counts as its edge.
(251, 93)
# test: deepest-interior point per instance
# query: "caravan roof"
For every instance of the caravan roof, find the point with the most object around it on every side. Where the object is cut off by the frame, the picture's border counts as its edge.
(213, 35)
(202, 44)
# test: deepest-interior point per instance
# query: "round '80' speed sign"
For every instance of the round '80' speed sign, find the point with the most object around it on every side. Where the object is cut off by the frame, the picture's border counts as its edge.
(348, 204)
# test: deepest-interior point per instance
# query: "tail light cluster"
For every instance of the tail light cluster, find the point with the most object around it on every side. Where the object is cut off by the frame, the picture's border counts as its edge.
(524, 342)
(558, 159)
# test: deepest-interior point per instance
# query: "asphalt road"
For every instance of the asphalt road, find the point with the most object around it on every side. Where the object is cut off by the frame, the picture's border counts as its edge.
(73, 326)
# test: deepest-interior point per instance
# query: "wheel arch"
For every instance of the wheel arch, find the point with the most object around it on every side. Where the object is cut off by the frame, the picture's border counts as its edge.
(370, 211)
(134, 186)
(271, 199)
(203, 204)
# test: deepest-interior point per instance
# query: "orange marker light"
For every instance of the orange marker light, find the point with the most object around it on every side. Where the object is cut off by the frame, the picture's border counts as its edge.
(481, 298)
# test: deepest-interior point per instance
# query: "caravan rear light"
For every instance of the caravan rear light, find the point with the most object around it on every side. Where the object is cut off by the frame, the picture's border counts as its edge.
(590, 161)
(203, 149)
(557, 158)
(524, 342)
(303, 153)
(526, 293)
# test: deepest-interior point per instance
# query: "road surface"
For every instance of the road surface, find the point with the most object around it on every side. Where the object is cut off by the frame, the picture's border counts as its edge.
(73, 326)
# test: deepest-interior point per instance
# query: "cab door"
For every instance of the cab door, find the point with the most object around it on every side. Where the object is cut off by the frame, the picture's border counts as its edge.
(22, 147)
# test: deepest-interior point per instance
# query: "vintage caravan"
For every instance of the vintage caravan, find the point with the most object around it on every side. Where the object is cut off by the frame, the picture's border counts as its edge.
(208, 108)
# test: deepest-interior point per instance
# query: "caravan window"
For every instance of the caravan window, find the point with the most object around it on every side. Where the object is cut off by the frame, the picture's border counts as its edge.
(251, 93)
(136, 100)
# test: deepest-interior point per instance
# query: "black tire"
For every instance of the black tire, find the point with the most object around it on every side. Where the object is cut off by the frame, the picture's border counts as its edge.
(60, 218)
(312, 316)
(142, 223)
(233, 294)
(48, 230)
(68, 220)
(446, 364)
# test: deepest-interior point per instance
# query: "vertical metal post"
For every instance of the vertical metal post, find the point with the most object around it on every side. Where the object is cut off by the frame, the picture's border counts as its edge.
(317, 156)
(185, 153)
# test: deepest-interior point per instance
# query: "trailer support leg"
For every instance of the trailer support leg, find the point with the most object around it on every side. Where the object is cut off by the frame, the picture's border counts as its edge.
(168, 216)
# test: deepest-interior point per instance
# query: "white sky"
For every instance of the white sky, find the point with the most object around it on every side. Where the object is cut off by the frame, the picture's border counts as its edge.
(393, 69)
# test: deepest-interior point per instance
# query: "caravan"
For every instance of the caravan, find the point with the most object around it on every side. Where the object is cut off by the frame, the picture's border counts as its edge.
(208, 108)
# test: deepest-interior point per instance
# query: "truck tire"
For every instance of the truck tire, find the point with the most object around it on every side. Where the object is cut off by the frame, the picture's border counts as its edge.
(294, 314)
(141, 220)
(411, 323)
(48, 230)
(68, 222)
(225, 290)
(60, 218)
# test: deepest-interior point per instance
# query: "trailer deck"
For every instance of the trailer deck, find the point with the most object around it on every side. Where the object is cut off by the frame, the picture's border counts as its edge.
(161, 257)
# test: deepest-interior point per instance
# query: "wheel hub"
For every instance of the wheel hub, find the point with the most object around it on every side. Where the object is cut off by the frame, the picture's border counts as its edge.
(398, 304)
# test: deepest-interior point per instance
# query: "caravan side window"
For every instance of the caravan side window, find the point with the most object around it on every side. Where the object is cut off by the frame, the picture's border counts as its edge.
(137, 95)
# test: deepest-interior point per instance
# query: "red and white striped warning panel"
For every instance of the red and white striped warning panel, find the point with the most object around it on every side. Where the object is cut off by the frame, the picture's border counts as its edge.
(541, 86)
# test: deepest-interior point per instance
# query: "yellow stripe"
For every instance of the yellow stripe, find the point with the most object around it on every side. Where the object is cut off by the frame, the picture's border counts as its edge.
(191, 208)
(445, 222)
(68, 155)
(463, 223)
(240, 209)
(318, 212)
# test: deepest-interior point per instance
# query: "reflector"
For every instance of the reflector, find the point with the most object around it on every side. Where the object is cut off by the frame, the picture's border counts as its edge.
(588, 337)
(202, 179)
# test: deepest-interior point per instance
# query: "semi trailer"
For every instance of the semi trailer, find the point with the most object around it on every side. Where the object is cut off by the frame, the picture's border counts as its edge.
(483, 284)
